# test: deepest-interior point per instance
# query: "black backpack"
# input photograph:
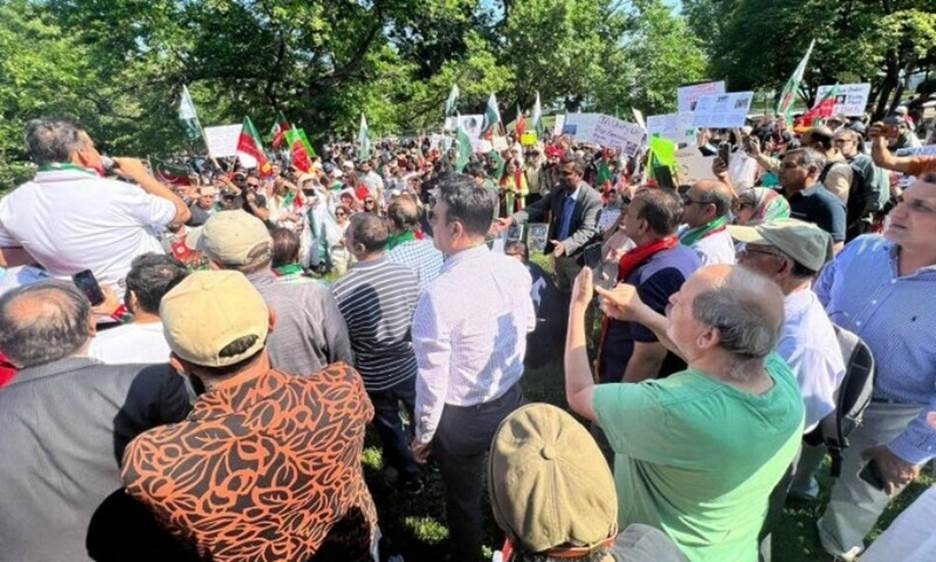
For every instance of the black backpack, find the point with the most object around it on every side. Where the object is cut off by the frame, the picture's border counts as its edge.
(851, 398)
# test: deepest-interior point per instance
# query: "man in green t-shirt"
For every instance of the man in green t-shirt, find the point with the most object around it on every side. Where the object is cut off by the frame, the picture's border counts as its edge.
(697, 454)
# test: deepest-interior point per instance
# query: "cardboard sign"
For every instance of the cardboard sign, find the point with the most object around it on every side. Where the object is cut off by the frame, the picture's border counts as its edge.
(676, 127)
(606, 131)
(528, 138)
(850, 99)
(689, 95)
(222, 140)
(692, 166)
(722, 111)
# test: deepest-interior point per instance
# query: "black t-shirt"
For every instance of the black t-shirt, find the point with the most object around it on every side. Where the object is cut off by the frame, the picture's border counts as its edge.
(656, 281)
(821, 207)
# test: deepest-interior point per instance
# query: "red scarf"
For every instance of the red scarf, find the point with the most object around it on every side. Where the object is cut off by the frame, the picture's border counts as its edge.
(629, 262)
(637, 256)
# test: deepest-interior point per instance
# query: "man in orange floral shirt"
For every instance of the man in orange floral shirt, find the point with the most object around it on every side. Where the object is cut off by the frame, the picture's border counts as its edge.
(267, 466)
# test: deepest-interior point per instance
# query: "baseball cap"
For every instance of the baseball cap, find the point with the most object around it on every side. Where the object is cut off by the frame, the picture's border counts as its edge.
(207, 311)
(806, 243)
(235, 238)
(550, 485)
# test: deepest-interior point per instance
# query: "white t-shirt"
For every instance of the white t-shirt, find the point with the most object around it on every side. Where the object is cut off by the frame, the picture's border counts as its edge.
(131, 343)
(715, 248)
(71, 220)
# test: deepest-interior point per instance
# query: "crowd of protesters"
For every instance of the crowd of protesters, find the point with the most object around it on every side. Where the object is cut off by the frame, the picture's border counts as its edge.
(189, 370)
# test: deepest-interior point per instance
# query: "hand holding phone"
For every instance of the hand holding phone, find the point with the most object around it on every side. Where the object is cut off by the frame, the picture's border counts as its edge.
(87, 284)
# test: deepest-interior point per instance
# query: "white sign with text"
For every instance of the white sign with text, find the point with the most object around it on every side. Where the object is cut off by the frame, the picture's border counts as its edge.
(222, 140)
(722, 111)
(850, 99)
(688, 95)
(606, 131)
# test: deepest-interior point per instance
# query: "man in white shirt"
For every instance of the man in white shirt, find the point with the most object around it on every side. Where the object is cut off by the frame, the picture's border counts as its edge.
(791, 252)
(141, 341)
(69, 218)
(706, 208)
(469, 335)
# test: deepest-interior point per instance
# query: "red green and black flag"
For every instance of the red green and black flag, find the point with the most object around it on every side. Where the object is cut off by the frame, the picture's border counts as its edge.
(250, 149)
(279, 130)
(297, 147)
(171, 174)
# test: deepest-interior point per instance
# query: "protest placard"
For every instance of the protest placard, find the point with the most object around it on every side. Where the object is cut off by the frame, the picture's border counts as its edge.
(606, 131)
(676, 127)
(528, 138)
(928, 150)
(557, 126)
(688, 95)
(639, 118)
(222, 140)
(537, 236)
(470, 123)
(499, 143)
(692, 166)
(722, 111)
(850, 99)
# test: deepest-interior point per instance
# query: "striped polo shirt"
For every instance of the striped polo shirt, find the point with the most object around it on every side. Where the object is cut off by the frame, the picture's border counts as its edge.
(377, 299)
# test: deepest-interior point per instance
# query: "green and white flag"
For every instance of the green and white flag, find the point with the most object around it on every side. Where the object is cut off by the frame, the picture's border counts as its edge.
(790, 89)
(491, 115)
(364, 143)
(188, 117)
(451, 101)
(537, 117)
(464, 149)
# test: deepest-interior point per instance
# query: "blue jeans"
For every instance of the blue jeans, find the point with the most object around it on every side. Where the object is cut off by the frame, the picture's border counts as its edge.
(393, 437)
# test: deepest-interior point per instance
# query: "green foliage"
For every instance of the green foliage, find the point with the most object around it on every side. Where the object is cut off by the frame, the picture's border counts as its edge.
(757, 43)
(118, 66)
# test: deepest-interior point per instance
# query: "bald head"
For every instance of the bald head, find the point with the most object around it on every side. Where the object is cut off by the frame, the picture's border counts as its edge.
(745, 307)
(706, 201)
(43, 322)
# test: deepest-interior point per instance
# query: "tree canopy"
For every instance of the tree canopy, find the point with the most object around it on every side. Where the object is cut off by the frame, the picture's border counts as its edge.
(118, 65)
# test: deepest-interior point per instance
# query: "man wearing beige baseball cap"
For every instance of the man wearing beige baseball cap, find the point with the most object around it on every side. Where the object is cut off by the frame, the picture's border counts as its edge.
(791, 252)
(311, 332)
(257, 441)
(553, 495)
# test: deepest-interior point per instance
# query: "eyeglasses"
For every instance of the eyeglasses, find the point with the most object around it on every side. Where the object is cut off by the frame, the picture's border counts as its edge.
(741, 205)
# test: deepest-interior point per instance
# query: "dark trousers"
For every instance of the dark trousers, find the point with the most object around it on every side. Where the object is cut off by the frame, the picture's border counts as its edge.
(459, 446)
(393, 437)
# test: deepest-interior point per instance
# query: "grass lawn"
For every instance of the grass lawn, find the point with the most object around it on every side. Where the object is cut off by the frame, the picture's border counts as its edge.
(416, 525)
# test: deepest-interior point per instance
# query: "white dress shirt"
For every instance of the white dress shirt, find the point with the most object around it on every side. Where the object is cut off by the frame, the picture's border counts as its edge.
(71, 220)
(809, 345)
(469, 333)
(131, 343)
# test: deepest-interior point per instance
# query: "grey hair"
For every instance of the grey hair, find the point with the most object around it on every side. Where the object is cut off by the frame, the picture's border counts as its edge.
(747, 310)
(55, 326)
(53, 139)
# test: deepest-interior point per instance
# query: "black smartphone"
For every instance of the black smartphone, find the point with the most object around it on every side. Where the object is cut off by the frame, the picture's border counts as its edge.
(87, 283)
(871, 474)
(724, 152)
(590, 257)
